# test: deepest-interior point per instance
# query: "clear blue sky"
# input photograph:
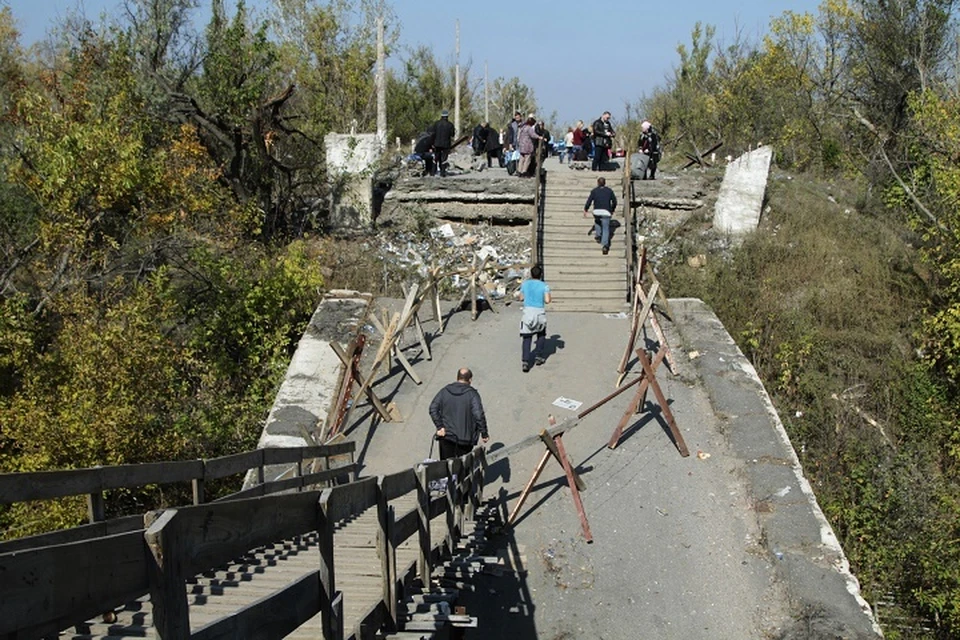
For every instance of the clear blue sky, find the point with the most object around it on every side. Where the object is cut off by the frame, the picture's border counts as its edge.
(580, 58)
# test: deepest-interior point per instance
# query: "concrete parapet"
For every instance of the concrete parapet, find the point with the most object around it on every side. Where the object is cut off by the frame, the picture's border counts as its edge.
(824, 593)
(310, 386)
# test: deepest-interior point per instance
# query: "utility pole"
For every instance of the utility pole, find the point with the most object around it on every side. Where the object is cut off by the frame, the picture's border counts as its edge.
(456, 89)
(381, 87)
(486, 95)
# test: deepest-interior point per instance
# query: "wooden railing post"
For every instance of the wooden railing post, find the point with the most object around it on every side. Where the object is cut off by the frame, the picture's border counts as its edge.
(482, 476)
(95, 508)
(388, 553)
(168, 593)
(453, 534)
(198, 490)
(332, 623)
(425, 565)
(466, 493)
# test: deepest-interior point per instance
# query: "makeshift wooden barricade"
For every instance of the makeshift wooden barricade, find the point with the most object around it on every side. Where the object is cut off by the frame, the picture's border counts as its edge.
(641, 313)
(649, 381)
(555, 449)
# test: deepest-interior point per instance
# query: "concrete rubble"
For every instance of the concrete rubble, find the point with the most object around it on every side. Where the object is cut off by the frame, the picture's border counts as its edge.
(453, 245)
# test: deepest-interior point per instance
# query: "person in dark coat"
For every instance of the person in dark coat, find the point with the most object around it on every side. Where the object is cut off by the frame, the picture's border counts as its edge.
(442, 131)
(492, 145)
(604, 202)
(479, 140)
(458, 416)
(602, 140)
(423, 148)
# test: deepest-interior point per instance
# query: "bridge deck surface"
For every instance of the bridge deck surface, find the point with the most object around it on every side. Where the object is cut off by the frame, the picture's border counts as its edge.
(724, 544)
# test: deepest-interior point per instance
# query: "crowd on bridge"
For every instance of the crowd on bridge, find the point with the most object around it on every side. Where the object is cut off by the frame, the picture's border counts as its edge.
(518, 146)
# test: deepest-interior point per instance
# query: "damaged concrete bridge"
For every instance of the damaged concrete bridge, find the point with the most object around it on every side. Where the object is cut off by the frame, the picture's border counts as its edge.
(360, 538)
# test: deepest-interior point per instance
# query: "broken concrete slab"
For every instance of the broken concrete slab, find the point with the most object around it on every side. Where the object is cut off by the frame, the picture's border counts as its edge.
(309, 389)
(740, 201)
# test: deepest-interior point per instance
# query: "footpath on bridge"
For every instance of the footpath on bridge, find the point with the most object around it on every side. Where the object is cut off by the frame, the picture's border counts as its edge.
(725, 543)
(581, 277)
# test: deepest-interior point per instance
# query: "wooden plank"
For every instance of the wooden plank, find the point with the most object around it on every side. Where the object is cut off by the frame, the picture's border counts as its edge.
(69, 583)
(436, 470)
(635, 403)
(231, 465)
(165, 571)
(327, 576)
(405, 526)
(553, 446)
(75, 534)
(387, 550)
(272, 616)
(574, 484)
(329, 474)
(215, 533)
(402, 359)
(399, 484)
(47, 485)
(529, 486)
(351, 499)
(425, 564)
(335, 449)
(358, 378)
(664, 405)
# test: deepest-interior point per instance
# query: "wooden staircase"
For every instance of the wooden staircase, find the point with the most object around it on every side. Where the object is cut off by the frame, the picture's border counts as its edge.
(581, 278)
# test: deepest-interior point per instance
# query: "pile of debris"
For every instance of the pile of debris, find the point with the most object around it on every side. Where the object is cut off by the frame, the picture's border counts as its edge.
(451, 247)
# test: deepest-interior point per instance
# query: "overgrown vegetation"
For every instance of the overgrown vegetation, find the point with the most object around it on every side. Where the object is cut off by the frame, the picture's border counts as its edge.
(846, 300)
(161, 211)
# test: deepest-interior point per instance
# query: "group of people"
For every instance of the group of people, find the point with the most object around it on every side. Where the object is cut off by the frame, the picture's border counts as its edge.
(515, 147)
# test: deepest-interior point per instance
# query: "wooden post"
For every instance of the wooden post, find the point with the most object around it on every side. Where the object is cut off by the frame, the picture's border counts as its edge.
(423, 526)
(96, 512)
(332, 622)
(387, 552)
(198, 490)
(526, 490)
(451, 537)
(168, 594)
(573, 479)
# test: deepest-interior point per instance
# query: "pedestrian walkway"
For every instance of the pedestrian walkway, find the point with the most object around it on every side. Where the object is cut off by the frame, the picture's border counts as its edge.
(581, 278)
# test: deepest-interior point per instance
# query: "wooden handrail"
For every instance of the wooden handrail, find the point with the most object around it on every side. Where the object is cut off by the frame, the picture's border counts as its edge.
(175, 544)
(50, 485)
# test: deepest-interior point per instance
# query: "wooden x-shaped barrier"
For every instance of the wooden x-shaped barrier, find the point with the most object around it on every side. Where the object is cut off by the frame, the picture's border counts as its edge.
(648, 380)
(555, 449)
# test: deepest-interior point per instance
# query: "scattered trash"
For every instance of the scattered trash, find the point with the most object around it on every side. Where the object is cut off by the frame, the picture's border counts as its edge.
(693, 355)
(782, 492)
(616, 316)
(702, 455)
(445, 230)
(567, 403)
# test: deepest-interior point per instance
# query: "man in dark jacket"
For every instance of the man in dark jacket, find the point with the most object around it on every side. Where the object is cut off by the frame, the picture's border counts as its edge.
(442, 131)
(424, 149)
(491, 140)
(604, 203)
(602, 140)
(458, 416)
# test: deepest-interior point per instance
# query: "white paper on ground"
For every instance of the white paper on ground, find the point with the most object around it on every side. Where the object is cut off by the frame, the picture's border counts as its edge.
(567, 403)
